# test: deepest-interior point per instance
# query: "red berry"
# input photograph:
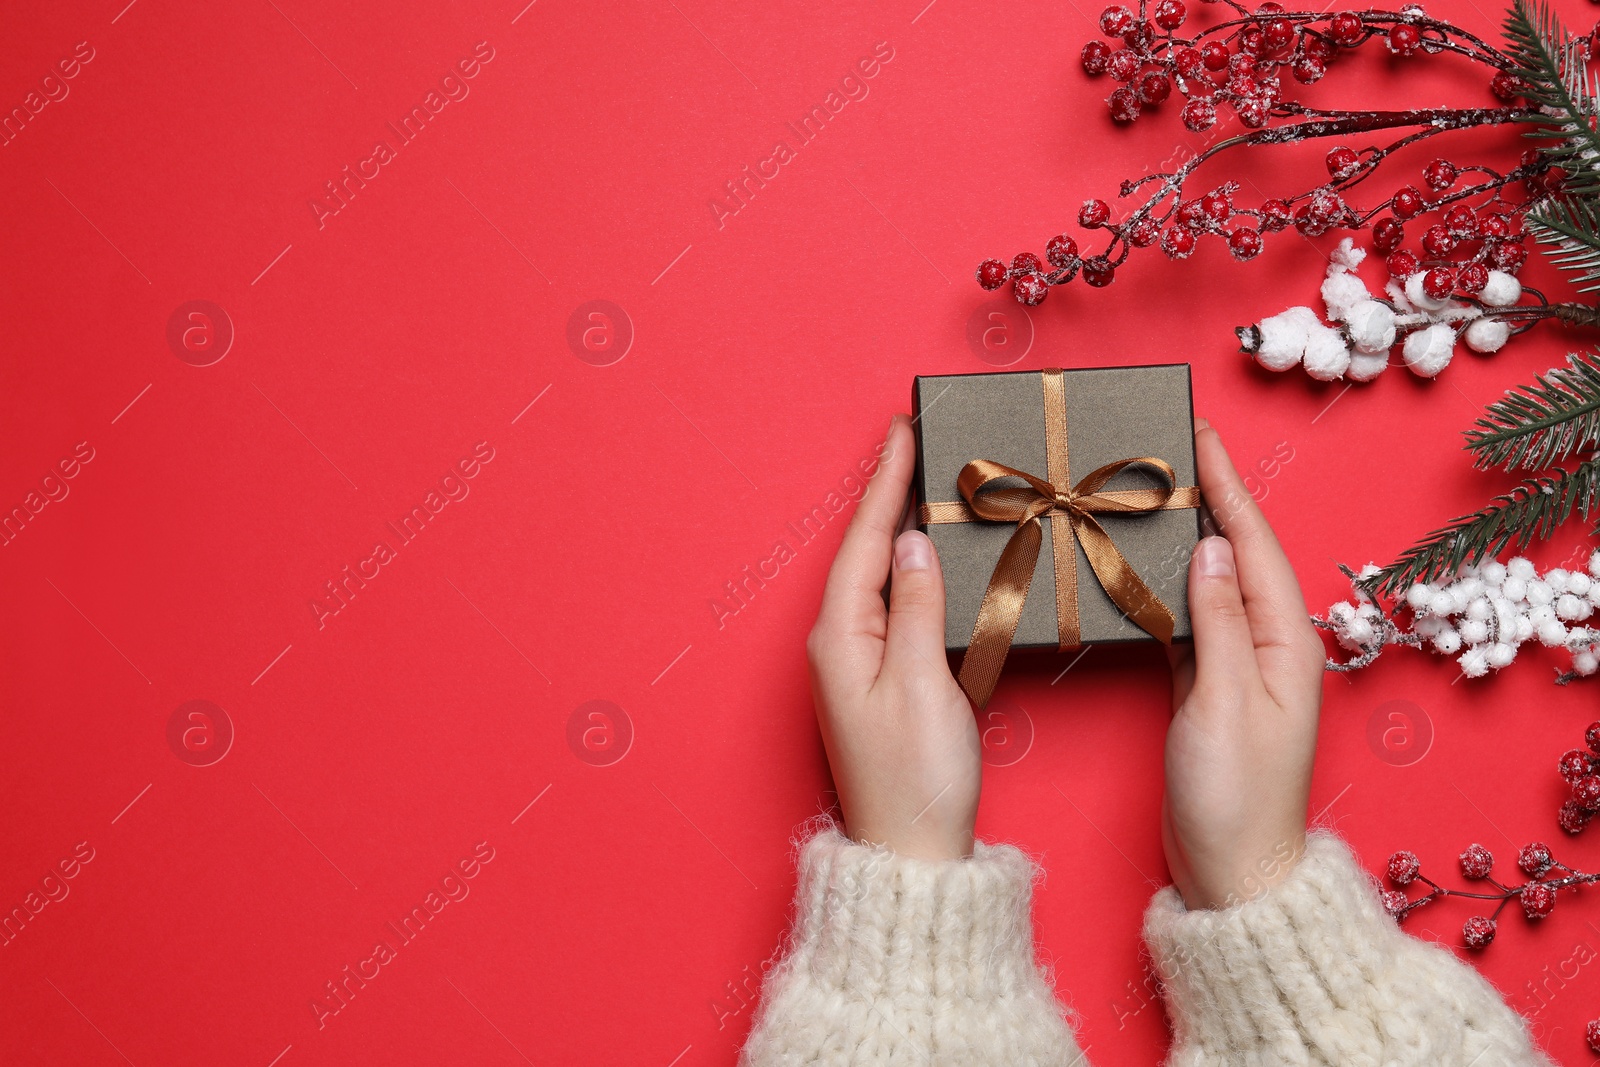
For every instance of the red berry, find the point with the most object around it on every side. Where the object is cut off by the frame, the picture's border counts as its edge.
(1407, 202)
(1177, 242)
(1139, 35)
(1154, 87)
(1198, 115)
(1591, 1033)
(1471, 279)
(1346, 28)
(1402, 264)
(1462, 222)
(1440, 175)
(1025, 263)
(1494, 227)
(1395, 903)
(1319, 48)
(1098, 271)
(1437, 242)
(1095, 56)
(1439, 282)
(1030, 289)
(1062, 251)
(1144, 233)
(1123, 65)
(1215, 55)
(1574, 764)
(1508, 257)
(1275, 215)
(1534, 859)
(1404, 40)
(1591, 737)
(1192, 215)
(1505, 87)
(1216, 207)
(1116, 21)
(1403, 868)
(1253, 42)
(1572, 818)
(1169, 14)
(1124, 104)
(1094, 213)
(1478, 931)
(1188, 62)
(1387, 235)
(1244, 243)
(1586, 791)
(1279, 34)
(1538, 900)
(1242, 85)
(1308, 69)
(1342, 161)
(991, 274)
(1254, 112)
(1476, 862)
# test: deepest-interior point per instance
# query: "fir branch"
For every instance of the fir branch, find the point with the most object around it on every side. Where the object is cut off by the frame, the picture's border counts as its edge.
(1572, 227)
(1534, 508)
(1551, 65)
(1535, 426)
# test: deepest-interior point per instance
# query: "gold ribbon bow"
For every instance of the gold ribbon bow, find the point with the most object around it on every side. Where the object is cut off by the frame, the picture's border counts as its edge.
(1071, 510)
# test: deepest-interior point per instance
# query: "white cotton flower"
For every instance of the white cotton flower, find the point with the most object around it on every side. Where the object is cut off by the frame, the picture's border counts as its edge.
(1283, 337)
(1486, 335)
(1474, 663)
(1552, 634)
(1502, 290)
(1573, 608)
(1448, 642)
(1326, 357)
(1475, 631)
(1494, 572)
(1342, 291)
(1364, 367)
(1427, 352)
(1514, 589)
(1501, 655)
(1370, 325)
(1521, 567)
(1585, 663)
(1418, 296)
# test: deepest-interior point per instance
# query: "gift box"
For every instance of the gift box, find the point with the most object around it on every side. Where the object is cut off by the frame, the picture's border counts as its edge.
(1063, 507)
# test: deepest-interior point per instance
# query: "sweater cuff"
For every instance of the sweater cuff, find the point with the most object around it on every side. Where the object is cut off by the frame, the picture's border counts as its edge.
(1315, 970)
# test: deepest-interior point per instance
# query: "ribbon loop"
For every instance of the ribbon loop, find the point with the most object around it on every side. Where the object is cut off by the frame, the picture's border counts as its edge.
(1071, 510)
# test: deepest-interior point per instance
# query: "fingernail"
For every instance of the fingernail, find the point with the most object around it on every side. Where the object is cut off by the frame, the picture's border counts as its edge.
(1201, 424)
(1216, 558)
(913, 552)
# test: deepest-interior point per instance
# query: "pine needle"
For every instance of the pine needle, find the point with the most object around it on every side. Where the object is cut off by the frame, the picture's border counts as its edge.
(1551, 65)
(1573, 228)
(1536, 426)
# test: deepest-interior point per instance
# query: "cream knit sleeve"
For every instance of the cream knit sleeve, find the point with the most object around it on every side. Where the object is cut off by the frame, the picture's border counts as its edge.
(895, 960)
(1315, 972)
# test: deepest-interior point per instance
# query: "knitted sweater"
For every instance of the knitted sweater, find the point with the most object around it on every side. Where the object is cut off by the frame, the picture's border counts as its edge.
(896, 960)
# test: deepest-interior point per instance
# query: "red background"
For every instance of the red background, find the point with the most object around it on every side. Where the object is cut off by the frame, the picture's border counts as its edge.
(625, 914)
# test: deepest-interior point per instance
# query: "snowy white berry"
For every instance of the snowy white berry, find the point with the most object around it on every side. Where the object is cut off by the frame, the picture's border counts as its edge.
(1283, 337)
(1521, 629)
(1539, 592)
(1371, 327)
(1427, 352)
(1474, 663)
(1585, 663)
(1441, 604)
(1521, 567)
(1502, 290)
(1552, 634)
(1479, 609)
(1364, 367)
(1501, 655)
(1418, 596)
(1578, 583)
(1341, 292)
(1447, 642)
(1573, 608)
(1418, 296)
(1487, 335)
(1494, 572)
(1514, 588)
(1475, 631)
(1326, 357)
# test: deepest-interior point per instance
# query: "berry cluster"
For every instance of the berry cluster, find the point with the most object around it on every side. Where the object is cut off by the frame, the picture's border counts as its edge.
(1546, 878)
(1581, 770)
(1466, 219)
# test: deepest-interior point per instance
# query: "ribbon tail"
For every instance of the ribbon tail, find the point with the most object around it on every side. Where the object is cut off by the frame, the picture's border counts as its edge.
(1000, 613)
(1126, 589)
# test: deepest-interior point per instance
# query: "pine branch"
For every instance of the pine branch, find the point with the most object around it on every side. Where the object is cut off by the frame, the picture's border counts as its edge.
(1552, 66)
(1536, 426)
(1573, 228)
(1534, 508)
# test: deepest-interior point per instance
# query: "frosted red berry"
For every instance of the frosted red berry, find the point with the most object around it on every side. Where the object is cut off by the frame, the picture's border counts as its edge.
(1279, 35)
(1387, 235)
(1094, 213)
(1062, 251)
(1025, 263)
(1188, 62)
(1275, 215)
(1462, 222)
(1538, 900)
(1591, 737)
(992, 274)
(1214, 55)
(1030, 289)
(1124, 104)
(1123, 65)
(1253, 112)
(1437, 241)
(1586, 791)
(1346, 28)
(1440, 175)
(1198, 115)
(1575, 763)
(1154, 87)
(1139, 35)
(1591, 1034)
(1476, 861)
(1253, 42)
(1098, 271)
(1404, 40)
(1508, 257)
(1571, 817)
(1244, 243)
(1505, 87)
(1472, 278)
(1534, 859)
(1169, 14)
(1216, 207)
(1342, 161)
(1144, 233)
(1096, 56)
(1402, 264)
(1177, 242)
(1308, 69)
(1403, 867)
(1439, 282)
(1395, 902)
(1116, 21)
(1478, 931)
(1407, 202)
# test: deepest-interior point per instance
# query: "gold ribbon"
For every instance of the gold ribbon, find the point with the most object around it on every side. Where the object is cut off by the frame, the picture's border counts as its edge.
(1071, 510)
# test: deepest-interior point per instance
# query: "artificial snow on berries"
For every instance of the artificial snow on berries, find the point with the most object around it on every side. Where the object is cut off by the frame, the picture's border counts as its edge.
(1534, 859)
(1485, 334)
(1403, 867)
(1394, 902)
(1476, 861)
(1427, 352)
(1326, 357)
(1501, 290)
(1371, 326)
(1279, 342)
(1538, 900)
(1478, 931)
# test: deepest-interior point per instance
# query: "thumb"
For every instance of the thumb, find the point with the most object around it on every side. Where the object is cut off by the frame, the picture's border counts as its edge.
(1225, 655)
(916, 609)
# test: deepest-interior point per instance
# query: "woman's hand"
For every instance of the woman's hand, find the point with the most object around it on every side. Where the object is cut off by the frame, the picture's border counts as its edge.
(1246, 695)
(900, 734)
